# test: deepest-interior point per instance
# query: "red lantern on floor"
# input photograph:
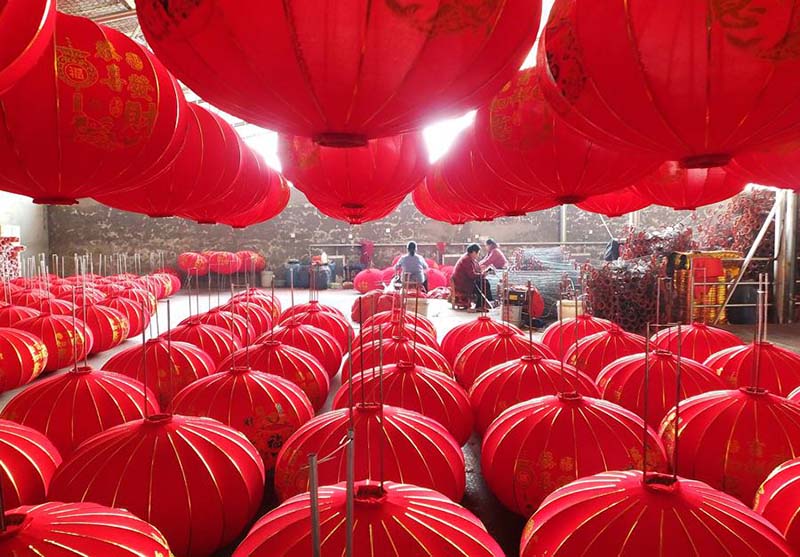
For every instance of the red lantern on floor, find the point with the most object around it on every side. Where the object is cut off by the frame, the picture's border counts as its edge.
(223, 263)
(697, 341)
(738, 94)
(302, 308)
(392, 351)
(393, 315)
(72, 407)
(29, 297)
(778, 500)
(28, 461)
(266, 408)
(413, 387)
(374, 301)
(23, 357)
(109, 327)
(299, 367)
(368, 279)
(417, 450)
(67, 339)
(761, 364)
(216, 342)
(315, 341)
(261, 298)
(260, 319)
(367, 335)
(461, 335)
(27, 29)
(13, 314)
(664, 516)
(491, 350)
(251, 262)
(137, 318)
(560, 336)
(540, 445)
(163, 366)
(733, 439)
(193, 263)
(615, 204)
(198, 481)
(142, 297)
(623, 382)
(333, 323)
(528, 377)
(238, 325)
(454, 57)
(393, 518)
(687, 189)
(591, 354)
(89, 74)
(86, 295)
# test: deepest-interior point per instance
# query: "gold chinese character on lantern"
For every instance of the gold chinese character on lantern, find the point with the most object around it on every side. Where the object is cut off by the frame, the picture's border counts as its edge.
(114, 80)
(140, 88)
(105, 50)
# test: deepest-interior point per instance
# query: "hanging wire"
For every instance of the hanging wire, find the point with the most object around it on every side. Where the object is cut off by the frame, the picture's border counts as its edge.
(313, 475)
(646, 408)
(144, 364)
(678, 398)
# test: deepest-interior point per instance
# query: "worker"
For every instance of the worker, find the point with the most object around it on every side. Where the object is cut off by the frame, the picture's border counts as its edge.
(469, 281)
(413, 267)
(495, 259)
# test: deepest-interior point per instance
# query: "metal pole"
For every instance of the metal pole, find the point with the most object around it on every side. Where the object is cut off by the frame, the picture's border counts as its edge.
(780, 288)
(351, 491)
(316, 538)
(786, 260)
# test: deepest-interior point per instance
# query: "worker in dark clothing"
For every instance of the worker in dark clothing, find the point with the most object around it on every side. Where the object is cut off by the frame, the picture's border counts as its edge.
(468, 278)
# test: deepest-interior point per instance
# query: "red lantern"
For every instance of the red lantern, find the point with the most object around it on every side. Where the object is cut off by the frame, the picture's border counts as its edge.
(413, 387)
(142, 297)
(28, 461)
(109, 327)
(193, 264)
(436, 279)
(491, 350)
(388, 519)
(299, 367)
(238, 325)
(29, 297)
(615, 204)
(23, 357)
(507, 384)
(560, 336)
(536, 152)
(737, 94)
(302, 308)
(216, 342)
(137, 318)
(261, 298)
(67, 339)
(163, 366)
(687, 189)
(100, 97)
(392, 351)
(591, 354)
(663, 516)
(762, 365)
(778, 500)
(394, 315)
(266, 408)
(776, 167)
(27, 28)
(333, 323)
(271, 203)
(417, 450)
(198, 481)
(13, 314)
(540, 445)
(85, 295)
(374, 301)
(697, 341)
(368, 279)
(733, 439)
(461, 335)
(72, 407)
(223, 263)
(427, 205)
(56, 306)
(356, 184)
(315, 341)
(251, 262)
(260, 319)
(623, 382)
(393, 330)
(453, 58)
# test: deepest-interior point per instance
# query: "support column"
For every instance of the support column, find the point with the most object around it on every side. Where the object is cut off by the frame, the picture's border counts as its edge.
(562, 235)
(785, 255)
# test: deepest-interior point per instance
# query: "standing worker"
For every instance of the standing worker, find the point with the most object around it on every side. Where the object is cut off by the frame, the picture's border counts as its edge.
(468, 278)
(495, 259)
(413, 267)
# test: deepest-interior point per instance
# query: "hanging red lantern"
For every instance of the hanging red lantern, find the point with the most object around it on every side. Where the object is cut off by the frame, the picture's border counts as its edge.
(142, 297)
(491, 350)
(452, 189)
(454, 57)
(137, 318)
(425, 204)
(23, 357)
(223, 263)
(561, 335)
(272, 203)
(392, 351)
(266, 408)
(276, 358)
(109, 327)
(615, 204)
(72, 407)
(12, 314)
(260, 319)
(641, 382)
(394, 315)
(738, 94)
(392, 330)
(778, 500)
(389, 518)
(193, 263)
(238, 325)
(163, 366)
(733, 439)
(315, 341)
(591, 354)
(542, 444)
(528, 377)
(687, 189)
(461, 335)
(697, 341)
(107, 98)
(777, 166)
(413, 387)
(368, 279)
(761, 364)
(333, 323)
(664, 516)
(536, 152)
(27, 28)
(138, 465)
(216, 342)
(261, 298)
(250, 261)
(356, 184)
(28, 461)
(418, 451)
(67, 339)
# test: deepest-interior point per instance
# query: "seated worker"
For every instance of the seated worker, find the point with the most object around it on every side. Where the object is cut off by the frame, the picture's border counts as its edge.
(412, 267)
(495, 258)
(468, 278)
